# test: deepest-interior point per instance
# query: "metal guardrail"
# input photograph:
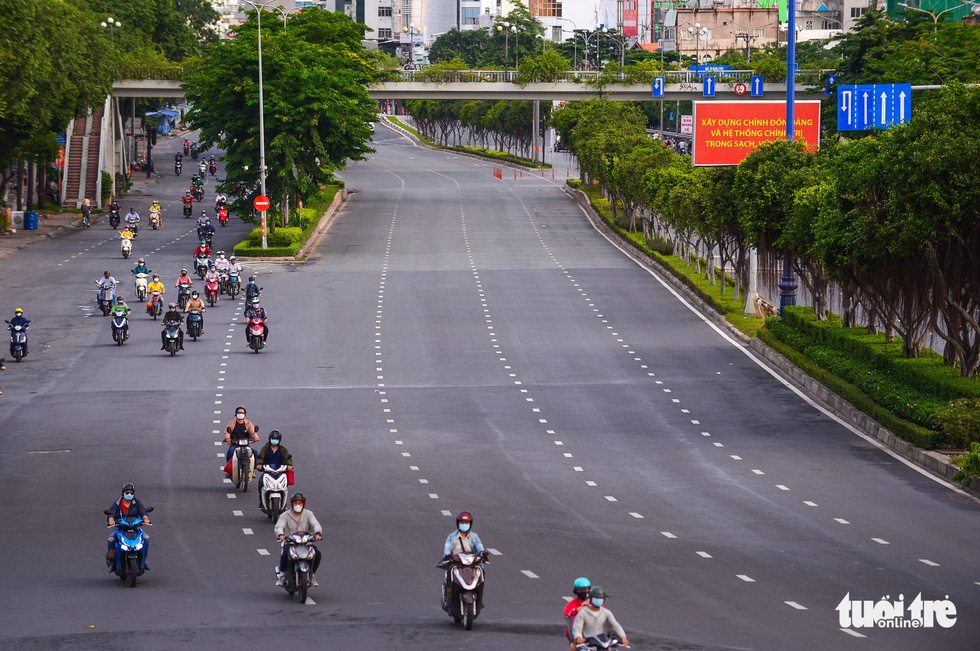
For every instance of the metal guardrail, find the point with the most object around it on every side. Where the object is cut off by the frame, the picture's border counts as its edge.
(592, 76)
(159, 73)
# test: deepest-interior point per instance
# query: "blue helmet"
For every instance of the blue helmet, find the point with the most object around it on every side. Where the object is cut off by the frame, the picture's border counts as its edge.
(581, 588)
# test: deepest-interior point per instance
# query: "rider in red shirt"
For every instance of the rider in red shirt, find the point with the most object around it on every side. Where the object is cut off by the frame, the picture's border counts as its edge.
(203, 250)
(581, 588)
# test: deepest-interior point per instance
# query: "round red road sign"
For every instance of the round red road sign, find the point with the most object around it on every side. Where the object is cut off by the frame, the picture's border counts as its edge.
(740, 89)
(261, 203)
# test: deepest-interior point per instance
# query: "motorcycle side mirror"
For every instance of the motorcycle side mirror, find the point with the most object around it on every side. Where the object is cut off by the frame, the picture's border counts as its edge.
(149, 510)
(256, 430)
(107, 512)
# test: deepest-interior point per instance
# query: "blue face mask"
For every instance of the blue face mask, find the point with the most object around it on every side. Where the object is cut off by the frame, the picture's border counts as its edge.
(274, 441)
(129, 496)
(464, 527)
(597, 602)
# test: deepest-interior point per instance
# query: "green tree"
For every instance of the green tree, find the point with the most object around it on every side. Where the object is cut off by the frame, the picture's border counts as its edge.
(317, 108)
(470, 46)
(547, 67)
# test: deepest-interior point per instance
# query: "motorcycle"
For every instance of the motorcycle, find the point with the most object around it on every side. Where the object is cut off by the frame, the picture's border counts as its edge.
(187, 146)
(465, 599)
(224, 280)
(194, 151)
(195, 324)
(223, 216)
(198, 194)
(114, 219)
(119, 327)
(203, 169)
(154, 219)
(272, 491)
(211, 289)
(256, 330)
(18, 341)
(601, 641)
(178, 167)
(188, 210)
(242, 463)
(154, 306)
(201, 264)
(234, 284)
(86, 220)
(171, 336)
(126, 246)
(141, 285)
(299, 565)
(106, 300)
(183, 295)
(213, 169)
(130, 550)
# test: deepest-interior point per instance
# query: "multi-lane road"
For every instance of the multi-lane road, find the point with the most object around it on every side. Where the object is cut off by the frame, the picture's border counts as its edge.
(455, 342)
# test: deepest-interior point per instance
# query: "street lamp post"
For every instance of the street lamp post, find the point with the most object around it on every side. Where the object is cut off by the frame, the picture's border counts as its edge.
(285, 12)
(787, 283)
(698, 32)
(622, 45)
(507, 28)
(574, 40)
(586, 38)
(112, 26)
(259, 8)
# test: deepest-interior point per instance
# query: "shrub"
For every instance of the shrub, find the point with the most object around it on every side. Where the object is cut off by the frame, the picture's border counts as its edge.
(971, 466)
(960, 420)
(661, 246)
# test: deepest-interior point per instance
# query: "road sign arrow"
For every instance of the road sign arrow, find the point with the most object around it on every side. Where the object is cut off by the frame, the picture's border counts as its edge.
(901, 107)
(884, 96)
(865, 114)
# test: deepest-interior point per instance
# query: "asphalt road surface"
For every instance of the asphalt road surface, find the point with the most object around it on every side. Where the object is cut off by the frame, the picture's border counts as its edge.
(455, 342)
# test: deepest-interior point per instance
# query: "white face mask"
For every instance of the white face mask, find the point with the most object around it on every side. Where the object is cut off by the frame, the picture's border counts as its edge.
(240, 416)
(298, 508)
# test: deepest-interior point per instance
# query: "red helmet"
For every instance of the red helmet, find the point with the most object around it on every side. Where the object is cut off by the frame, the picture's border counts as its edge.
(464, 516)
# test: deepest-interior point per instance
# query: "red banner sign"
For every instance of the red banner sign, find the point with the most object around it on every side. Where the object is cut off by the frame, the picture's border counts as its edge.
(726, 132)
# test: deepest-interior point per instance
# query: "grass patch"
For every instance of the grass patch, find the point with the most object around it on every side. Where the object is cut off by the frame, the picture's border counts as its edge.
(479, 151)
(661, 251)
(286, 242)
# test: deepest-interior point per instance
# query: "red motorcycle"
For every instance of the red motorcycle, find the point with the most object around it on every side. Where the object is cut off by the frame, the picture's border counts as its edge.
(256, 334)
(187, 146)
(154, 306)
(213, 169)
(212, 291)
(223, 216)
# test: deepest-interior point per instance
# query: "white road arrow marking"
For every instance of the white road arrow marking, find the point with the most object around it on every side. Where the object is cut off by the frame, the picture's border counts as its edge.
(846, 104)
(901, 106)
(884, 96)
(865, 117)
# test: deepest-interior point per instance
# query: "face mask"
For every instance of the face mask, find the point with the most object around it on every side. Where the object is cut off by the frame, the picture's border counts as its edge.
(274, 442)
(598, 602)
(464, 527)
(298, 508)
(240, 416)
(129, 496)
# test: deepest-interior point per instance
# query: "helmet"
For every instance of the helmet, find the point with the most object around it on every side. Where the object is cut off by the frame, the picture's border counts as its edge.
(156, 276)
(240, 408)
(598, 592)
(142, 260)
(120, 301)
(183, 271)
(298, 497)
(251, 279)
(464, 516)
(274, 434)
(232, 258)
(204, 213)
(204, 242)
(187, 192)
(18, 311)
(194, 294)
(173, 306)
(581, 588)
(255, 301)
(127, 487)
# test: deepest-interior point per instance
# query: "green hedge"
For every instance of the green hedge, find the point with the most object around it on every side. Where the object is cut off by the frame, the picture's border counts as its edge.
(287, 241)
(897, 407)
(243, 249)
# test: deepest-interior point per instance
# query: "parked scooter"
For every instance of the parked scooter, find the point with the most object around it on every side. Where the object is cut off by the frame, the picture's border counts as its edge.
(154, 307)
(465, 599)
(141, 286)
(18, 340)
(195, 324)
(130, 561)
(299, 566)
(272, 491)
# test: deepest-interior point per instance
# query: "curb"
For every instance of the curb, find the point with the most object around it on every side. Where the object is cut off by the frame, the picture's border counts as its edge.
(58, 231)
(313, 240)
(935, 463)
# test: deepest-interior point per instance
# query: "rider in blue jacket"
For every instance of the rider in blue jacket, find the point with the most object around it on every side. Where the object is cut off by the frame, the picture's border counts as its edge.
(127, 506)
(19, 320)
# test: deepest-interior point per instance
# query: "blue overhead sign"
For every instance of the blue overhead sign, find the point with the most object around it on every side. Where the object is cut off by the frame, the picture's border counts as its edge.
(658, 86)
(758, 85)
(710, 68)
(873, 106)
(831, 81)
(709, 86)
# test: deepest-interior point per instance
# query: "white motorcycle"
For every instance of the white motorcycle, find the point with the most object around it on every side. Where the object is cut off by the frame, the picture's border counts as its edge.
(126, 247)
(154, 219)
(141, 286)
(272, 491)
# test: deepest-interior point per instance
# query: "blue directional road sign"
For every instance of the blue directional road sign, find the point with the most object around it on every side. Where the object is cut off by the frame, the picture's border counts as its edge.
(828, 88)
(709, 86)
(758, 84)
(658, 86)
(870, 106)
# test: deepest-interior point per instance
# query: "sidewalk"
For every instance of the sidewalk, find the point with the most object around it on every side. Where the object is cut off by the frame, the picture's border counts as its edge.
(48, 227)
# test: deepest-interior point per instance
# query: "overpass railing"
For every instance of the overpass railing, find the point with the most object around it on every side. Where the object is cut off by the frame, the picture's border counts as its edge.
(595, 76)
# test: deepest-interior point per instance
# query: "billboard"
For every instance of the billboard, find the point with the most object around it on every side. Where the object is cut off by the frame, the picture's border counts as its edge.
(726, 132)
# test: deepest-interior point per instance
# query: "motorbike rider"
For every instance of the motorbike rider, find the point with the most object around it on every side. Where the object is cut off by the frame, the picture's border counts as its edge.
(594, 619)
(256, 311)
(179, 157)
(121, 309)
(132, 218)
(114, 206)
(299, 518)
(106, 281)
(203, 250)
(127, 506)
(251, 290)
(239, 428)
(19, 320)
(141, 267)
(233, 267)
(187, 199)
(462, 539)
(581, 589)
(172, 315)
(206, 229)
(213, 276)
(127, 234)
(221, 263)
(155, 208)
(274, 455)
(203, 219)
(156, 286)
(184, 279)
(220, 201)
(195, 303)
(203, 166)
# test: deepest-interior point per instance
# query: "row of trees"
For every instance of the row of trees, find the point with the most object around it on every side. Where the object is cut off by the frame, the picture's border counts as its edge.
(57, 62)
(503, 126)
(894, 217)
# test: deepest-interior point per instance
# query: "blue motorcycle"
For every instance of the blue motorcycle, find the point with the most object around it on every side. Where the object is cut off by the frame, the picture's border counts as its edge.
(18, 340)
(130, 549)
(195, 324)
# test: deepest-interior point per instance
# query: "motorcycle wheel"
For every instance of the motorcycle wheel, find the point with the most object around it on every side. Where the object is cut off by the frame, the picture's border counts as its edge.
(125, 254)
(18, 355)
(119, 340)
(133, 571)
(468, 614)
(256, 346)
(243, 478)
(173, 350)
(274, 511)
(303, 587)
(211, 299)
